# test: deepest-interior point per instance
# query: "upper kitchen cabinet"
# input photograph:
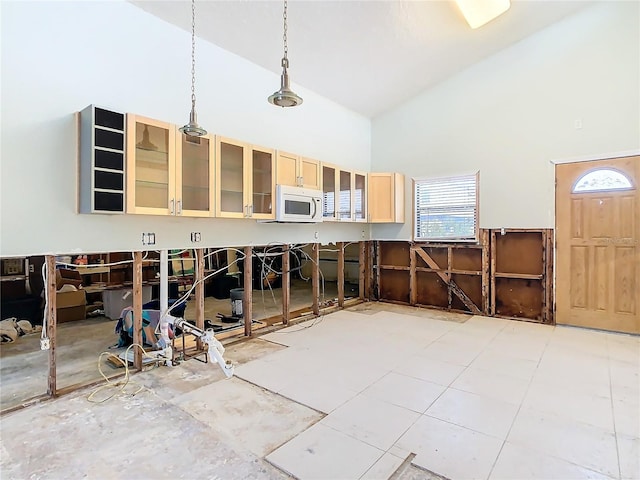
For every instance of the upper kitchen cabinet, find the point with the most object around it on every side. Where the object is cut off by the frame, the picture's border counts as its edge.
(245, 180)
(352, 196)
(297, 171)
(386, 198)
(344, 194)
(102, 161)
(168, 173)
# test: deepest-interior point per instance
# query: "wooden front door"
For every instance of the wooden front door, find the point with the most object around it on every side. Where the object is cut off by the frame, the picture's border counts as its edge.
(598, 244)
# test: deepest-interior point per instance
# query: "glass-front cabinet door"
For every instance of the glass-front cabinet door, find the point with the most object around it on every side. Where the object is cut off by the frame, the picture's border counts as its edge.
(150, 166)
(230, 201)
(329, 190)
(245, 180)
(359, 197)
(344, 206)
(195, 175)
(262, 183)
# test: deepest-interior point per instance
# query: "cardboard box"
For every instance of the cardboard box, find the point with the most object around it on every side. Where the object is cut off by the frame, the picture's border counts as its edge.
(71, 306)
(70, 314)
(67, 277)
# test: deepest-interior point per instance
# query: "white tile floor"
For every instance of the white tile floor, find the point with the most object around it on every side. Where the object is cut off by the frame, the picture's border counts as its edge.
(489, 398)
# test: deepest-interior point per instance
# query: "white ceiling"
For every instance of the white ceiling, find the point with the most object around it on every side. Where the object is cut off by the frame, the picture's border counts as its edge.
(365, 55)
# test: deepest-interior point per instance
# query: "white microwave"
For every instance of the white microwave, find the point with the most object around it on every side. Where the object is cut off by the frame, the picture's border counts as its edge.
(298, 205)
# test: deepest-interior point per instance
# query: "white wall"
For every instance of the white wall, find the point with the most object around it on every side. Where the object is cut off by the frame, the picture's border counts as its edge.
(58, 57)
(513, 113)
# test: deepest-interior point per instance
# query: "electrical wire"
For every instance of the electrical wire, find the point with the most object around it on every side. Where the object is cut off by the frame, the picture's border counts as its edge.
(120, 385)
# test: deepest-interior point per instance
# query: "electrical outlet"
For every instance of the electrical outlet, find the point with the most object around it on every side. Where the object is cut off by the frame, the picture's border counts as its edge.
(196, 237)
(31, 268)
(148, 238)
(362, 233)
(316, 235)
(45, 344)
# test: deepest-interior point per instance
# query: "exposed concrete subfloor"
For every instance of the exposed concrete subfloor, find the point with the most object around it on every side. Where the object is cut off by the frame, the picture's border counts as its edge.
(24, 367)
(369, 394)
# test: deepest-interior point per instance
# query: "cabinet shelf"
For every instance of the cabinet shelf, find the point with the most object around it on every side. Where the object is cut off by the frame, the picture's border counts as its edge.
(148, 184)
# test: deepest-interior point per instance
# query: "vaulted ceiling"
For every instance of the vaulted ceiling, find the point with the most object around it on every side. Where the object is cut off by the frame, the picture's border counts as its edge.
(368, 56)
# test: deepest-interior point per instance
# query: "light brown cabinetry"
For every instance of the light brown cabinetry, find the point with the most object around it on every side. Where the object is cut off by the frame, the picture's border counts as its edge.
(344, 194)
(297, 171)
(386, 198)
(245, 180)
(168, 173)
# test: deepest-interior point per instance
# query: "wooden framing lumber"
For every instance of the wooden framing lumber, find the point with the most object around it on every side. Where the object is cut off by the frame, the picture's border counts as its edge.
(446, 277)
(199, 279)
(362, 269)
(413, 285)
(340, 246)
(51, 322)
(315, 277)
(137, 309)
(286, 285)
(485, 241)
(247, 298)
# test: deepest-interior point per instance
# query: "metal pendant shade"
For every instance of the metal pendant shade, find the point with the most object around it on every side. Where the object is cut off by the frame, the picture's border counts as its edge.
(192, 128)
(285, 97)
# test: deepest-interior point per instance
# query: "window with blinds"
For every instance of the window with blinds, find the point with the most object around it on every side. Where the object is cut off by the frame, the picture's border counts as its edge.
(446, 209)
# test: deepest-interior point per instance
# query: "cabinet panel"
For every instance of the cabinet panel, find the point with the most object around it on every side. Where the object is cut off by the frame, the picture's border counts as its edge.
(195, 175)
(310, 173)
(359, 197)
(386, 198)
(262, 183)
(151, 166)
(287, 169)
(329, 192)
(230, 178)
(344, 205)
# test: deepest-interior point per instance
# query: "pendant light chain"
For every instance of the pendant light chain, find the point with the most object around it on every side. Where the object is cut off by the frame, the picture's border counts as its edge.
(193, 53)
(285, 60)
(285, 97)
(192, 128)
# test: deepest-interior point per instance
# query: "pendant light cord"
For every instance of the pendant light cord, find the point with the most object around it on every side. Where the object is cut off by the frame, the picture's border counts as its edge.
(193, 54)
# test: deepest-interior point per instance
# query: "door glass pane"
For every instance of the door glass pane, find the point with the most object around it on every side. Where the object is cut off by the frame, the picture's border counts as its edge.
(329, 192)
(262, 174)
(152, 166)
(345, 195)
(195, 173)
(359, 200)
(231, 174)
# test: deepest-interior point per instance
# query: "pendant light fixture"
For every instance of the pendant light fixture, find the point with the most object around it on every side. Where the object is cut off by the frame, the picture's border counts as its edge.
(192, 128)
(285, 97)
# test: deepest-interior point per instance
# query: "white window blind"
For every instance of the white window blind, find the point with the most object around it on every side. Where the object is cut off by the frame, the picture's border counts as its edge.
(446, 208)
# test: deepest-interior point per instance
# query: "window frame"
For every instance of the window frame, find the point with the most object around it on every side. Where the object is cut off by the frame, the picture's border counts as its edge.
(631, 186)
(476, 233)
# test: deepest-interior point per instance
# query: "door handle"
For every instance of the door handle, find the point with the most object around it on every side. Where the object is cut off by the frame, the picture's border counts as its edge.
(171, 207)
(179, 207)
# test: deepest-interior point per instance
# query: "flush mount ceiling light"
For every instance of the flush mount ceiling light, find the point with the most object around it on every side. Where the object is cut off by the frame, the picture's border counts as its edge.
(285, 96)
(479, 12)
(192, 128)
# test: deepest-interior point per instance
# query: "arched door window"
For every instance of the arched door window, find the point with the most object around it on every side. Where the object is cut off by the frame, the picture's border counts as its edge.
(602, 179)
